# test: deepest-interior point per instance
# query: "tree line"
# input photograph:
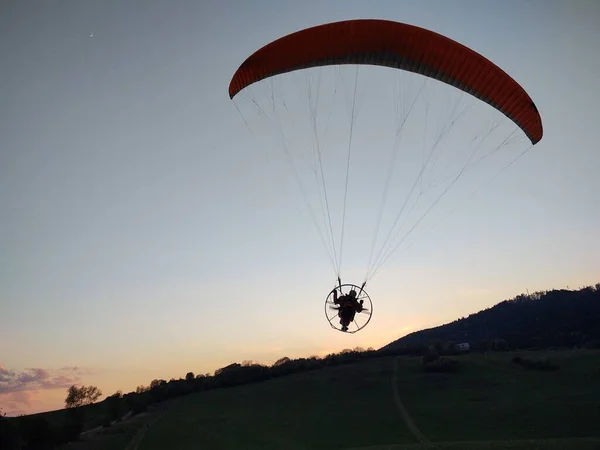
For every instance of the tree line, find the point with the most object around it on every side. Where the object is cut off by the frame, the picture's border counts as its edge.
(555, 318)
(83, 411)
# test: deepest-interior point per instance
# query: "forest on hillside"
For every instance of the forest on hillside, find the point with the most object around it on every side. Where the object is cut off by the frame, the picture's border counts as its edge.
(556, 318)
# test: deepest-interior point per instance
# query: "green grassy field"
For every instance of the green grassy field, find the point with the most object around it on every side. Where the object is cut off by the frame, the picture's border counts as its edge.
(310, 410)
(353, 406)
(495, 399)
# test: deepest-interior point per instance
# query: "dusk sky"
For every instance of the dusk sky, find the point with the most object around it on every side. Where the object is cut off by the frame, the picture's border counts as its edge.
(145, 232)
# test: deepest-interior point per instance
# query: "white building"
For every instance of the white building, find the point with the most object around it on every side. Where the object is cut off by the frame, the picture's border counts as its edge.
(464, 347)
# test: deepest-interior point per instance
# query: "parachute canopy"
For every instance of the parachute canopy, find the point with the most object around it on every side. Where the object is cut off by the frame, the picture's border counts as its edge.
(424, 139)
(396, 45)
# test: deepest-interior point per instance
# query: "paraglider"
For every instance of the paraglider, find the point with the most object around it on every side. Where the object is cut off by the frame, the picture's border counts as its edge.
(348, 300)
(421, 121)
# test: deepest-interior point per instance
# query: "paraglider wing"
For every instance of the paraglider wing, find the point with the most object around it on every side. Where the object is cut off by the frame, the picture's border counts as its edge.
(396, 45)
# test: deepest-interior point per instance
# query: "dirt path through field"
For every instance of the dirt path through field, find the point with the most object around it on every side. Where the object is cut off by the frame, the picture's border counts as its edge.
(137, 439)
(410, 423)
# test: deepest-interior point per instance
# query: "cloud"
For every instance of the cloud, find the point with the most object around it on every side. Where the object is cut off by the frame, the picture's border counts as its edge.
(32, 379)
(5, 375)
(77, 369)
(33, 375)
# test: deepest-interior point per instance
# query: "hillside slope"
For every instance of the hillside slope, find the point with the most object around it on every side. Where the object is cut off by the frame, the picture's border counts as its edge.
(550, 318)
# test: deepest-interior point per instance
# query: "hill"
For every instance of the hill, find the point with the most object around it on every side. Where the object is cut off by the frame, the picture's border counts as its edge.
(489, 401)
(489, 398)
(558, 318)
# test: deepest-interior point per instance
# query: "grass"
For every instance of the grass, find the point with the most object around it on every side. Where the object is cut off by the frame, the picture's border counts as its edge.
(493, 398)
(118, 436)
(490, 399)
(331, 408)
(528, 444)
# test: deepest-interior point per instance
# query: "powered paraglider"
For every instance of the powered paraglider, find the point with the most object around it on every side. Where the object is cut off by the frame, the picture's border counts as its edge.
(366, 109)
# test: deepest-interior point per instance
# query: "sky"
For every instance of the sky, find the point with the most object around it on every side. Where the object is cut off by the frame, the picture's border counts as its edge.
(145, 231)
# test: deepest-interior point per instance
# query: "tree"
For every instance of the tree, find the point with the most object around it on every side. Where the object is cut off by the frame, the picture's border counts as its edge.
(114, 405)
(281, 361)
(500, 345)
(189, 376)
(542, 314)
(450, 347)
(82, 396)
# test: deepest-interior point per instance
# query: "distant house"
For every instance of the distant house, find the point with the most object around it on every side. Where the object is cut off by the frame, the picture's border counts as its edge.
(464, 347)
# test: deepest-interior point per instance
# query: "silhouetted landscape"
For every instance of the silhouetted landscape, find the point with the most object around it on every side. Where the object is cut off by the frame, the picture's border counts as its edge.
(205, 203)
(557, 319)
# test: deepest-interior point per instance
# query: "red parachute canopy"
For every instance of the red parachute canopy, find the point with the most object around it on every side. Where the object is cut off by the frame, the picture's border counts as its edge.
(397, 45)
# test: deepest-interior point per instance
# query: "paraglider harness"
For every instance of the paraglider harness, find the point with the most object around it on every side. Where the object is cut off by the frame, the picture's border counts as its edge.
(348, 305)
